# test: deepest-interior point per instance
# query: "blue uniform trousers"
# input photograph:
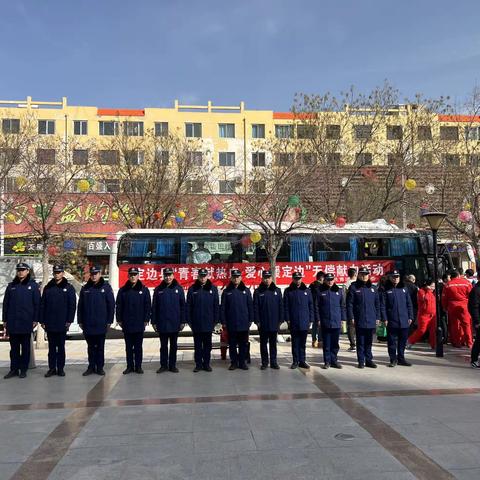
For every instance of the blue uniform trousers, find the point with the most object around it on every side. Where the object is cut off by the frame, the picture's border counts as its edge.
(56, 350)
(19, 351)
(202, 342)
(168, 357)
(330, 345)
(364, 337)
(299, 340)
(240, 340)
(397, 340)
(96, 351)
(268, 342)
(134, 349)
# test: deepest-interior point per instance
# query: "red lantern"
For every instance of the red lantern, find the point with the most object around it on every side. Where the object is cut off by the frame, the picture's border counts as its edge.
(392, 221)
(340, 222)
(411, 226)
(157, 215)
(246, 241)
(52, 250)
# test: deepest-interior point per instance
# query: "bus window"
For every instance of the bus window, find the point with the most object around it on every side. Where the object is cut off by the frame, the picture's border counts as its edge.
(375, 247)
(148, 249)
(334, 250)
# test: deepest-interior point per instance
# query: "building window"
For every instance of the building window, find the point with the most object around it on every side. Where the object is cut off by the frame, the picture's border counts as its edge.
(108, 157)
(394, 132)
(11, 185)
(10, 125)
(226, 159)
(46, 156)
(193, 130)
(80, 157)
(425, 159)
(194, 186)
(46, 127)
(110, 185)
(283, 131)
(258, 159)
(196, 159)
(307, 159)
(449, 133)
(363, 132)
(473, 160)
(226, 130)
(424, 132)
(134, 157)
(161, 129)
(108, 128)
(258, 186)
(333, 132)
(162, 157)
(258, 130)
(363, 159)
(80, 127)
(132, 186)
(226, 186)
(472, 133)
(45, 184)
(133, 129)
(306, 131)
(333, 159)
(284, 159)
(451, 160)
(9, 156)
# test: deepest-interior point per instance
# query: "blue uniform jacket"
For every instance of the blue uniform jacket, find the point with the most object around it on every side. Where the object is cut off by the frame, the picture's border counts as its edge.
(268, 307)
(314, 286)
(299, 310)
(363, 304)
(236, 311)
(96, 307)
(133, 307)
(331, 306)
(168, 308)
(203, 307)
(58, 305)
(396, 306)
(21, 305)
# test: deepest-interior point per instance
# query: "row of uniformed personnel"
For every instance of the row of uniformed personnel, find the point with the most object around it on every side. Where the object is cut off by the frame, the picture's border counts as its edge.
(55, 310)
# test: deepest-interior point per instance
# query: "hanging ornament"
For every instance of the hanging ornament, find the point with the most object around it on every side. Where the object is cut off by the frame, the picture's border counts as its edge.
(91, 181)
(68, 244)
(392, 221)
(344, 181)
(73, 262)
(115, 215)
(411, 226)
(467, 206)
(168, 224)
(293, 201)
(255, 237)
(465, 216)
(430, 189)
(181, 214)
(410, 184)
(179, 219)
(21, 182)
(83, 185)
(340, 222)
(217, 215)
(52, 250)
(138, 220)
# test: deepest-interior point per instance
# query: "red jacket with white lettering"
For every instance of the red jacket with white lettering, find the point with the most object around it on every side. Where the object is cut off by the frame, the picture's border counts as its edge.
(456, 290)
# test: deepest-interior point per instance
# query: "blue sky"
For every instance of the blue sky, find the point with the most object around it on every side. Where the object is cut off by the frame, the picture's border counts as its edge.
(119, 53)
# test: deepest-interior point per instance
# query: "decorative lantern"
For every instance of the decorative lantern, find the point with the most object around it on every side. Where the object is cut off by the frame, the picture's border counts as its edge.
(179, 219)
(430, 189)
(52, 250)
(83, 185)
(411, 226)
(157, 215)
(293, 201)
(465, 216)
(255, 237)
(168, 224)
(68, 244)
(217, 215)
(181, 214)
(21, 182)
(340, 222)
(410, 184)
(138, 220)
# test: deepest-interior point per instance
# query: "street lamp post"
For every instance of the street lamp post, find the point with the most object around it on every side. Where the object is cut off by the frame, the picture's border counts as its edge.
(435, 220)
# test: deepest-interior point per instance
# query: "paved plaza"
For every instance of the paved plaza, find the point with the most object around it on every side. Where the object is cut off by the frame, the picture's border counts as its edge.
(420, 422)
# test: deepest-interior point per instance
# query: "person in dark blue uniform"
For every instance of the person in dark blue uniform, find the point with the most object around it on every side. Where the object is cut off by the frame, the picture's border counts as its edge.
(316, 329)
(397, 313)
(299, 313)
(96, 308)
(363, 309)
(203, 313)
(268, 315)
(21, 308)
(133, 314)
(332, 312)
(236, 313)
(57, 312)
(168, 318)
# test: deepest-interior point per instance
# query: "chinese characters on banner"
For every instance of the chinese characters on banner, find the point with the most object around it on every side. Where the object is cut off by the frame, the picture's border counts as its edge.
(151, 274)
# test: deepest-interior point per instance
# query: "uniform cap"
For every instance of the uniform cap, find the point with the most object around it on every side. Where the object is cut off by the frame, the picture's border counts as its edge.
(266, 274)
(394, 273)
(202, 272)
(58, 268)
(235, 272)
(329, 276)
(133, 271)
(297, 275)
(168, 271)
(95, 269)
(22, 266)
(364, 269)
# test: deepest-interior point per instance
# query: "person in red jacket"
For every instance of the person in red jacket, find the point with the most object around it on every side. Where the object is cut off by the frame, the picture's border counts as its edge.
(455, 302)
(426, 316)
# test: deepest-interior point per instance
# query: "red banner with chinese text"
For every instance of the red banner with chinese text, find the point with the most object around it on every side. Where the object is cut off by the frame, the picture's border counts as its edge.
(151, 274)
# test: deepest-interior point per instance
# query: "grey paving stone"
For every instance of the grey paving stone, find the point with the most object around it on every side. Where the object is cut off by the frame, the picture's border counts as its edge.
(8, 469)
(278, 439)
(224, 441)
(454, 456)
(466, 474)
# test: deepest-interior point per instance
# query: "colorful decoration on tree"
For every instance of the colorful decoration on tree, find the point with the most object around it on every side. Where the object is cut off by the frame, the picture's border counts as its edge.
(340, 222)
(138, 220)
(157, 215)
(467, 206)
(181, 214)
(83, 185)
(430, 189)
(255, 237)
(179, 219)
(246, 241)
(68, 244)
(217, 215)
(465, 216)
(168, 224)
(91, 181)
(411, 226)
(21, 182)
(52, 250)
(410, 184)
(293, 201)
(392, 221)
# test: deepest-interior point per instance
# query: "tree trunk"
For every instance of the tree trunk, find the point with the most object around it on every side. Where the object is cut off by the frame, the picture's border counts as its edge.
(40, 343)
